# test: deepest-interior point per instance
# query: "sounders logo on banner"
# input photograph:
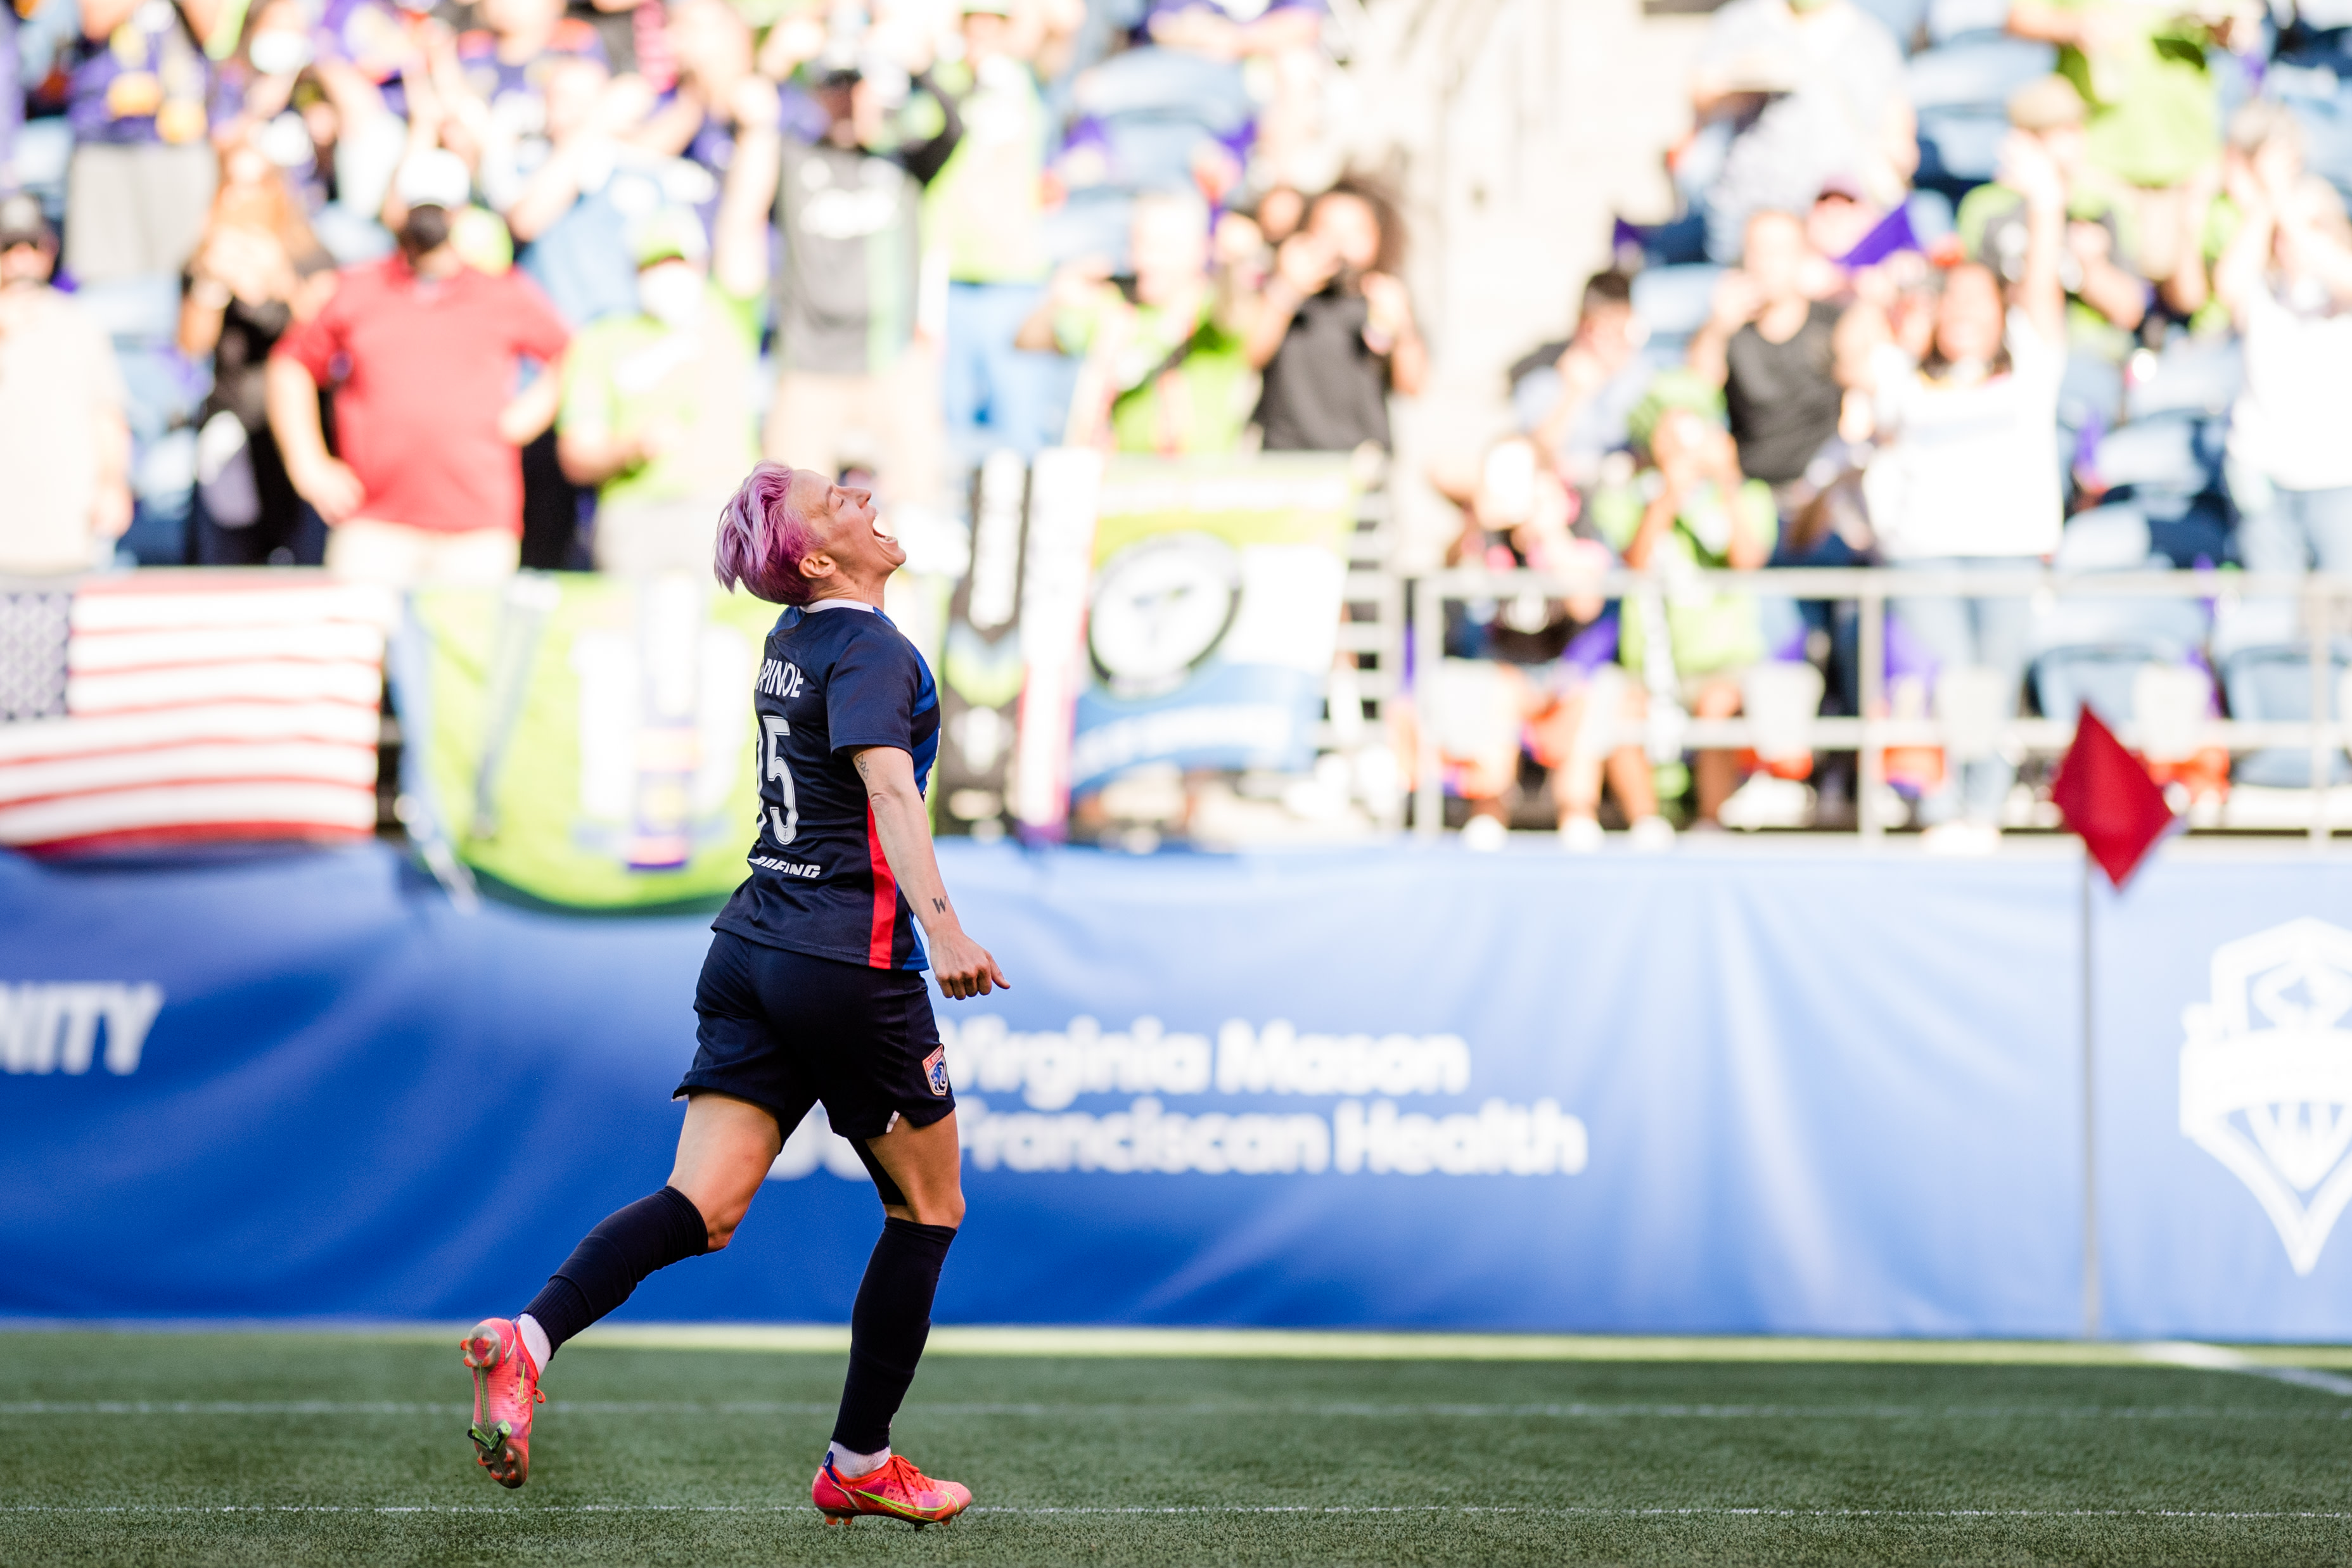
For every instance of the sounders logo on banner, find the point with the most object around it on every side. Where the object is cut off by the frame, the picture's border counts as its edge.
(50, 1028)
(1366, 1131)
(2266, 1076)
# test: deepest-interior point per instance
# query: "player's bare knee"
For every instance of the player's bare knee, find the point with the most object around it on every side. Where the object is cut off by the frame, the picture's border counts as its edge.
(944, 1209)
(719, 1220)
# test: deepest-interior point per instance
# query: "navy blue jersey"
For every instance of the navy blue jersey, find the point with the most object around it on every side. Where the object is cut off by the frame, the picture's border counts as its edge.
(831, 682)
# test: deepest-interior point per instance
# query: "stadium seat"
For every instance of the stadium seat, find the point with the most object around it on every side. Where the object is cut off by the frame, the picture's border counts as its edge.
(162, 391)
(1961, 89)
(2264, 663)
(1674, 302)
(2193, 375)
(2093, 647)
(1166, 83)
(1092, 223)
(134, 311)
(1977, 73)
(2312, 84)
(2191, 531)
(37, 160)
(1906, 19)
(1960, 147)
(2179, 454)
(1947, 20)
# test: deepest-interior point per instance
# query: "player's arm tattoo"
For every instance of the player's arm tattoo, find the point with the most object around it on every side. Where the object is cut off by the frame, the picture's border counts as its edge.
(940, 906)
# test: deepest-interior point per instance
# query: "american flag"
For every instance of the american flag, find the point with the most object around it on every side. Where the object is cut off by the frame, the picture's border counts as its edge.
(171, 707)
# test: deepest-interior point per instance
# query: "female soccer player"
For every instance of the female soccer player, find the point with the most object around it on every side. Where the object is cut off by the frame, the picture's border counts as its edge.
(812, 991)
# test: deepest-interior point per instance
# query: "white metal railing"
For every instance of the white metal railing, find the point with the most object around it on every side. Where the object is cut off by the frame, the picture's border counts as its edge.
(2318, 596)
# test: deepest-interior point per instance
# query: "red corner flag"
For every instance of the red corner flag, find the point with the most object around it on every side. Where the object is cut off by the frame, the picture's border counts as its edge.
(2107, 796)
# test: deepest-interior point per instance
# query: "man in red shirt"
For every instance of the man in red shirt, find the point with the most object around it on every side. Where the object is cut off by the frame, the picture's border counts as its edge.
(424, 353)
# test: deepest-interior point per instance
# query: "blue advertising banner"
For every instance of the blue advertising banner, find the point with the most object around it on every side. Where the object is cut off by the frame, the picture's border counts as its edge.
(1819, 1093)
(2224, 1030)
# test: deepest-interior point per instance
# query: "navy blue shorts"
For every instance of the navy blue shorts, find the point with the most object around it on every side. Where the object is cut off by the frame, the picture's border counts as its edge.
(786, 1030)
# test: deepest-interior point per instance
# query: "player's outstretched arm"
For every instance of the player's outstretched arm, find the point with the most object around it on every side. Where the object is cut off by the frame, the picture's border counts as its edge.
(962, 964)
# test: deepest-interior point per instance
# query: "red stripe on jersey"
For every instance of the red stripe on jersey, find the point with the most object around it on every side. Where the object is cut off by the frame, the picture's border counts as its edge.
(885, 898)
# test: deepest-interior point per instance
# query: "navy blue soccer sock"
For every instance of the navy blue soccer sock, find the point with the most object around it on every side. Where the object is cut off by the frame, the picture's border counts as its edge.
(627, 1245)
(887, 1328)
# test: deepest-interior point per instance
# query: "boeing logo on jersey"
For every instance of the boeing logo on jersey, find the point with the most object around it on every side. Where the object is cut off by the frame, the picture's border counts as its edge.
(779, 678)
(788, 868)
(47, 1028)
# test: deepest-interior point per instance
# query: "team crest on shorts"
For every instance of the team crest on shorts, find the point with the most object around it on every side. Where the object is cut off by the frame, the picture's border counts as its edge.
(935, 1072)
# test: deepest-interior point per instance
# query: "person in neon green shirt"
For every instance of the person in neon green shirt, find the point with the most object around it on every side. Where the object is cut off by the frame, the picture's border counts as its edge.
(657, 409)
(1166, 369)
(985, 213)
(1689, 509)
(2155, 111)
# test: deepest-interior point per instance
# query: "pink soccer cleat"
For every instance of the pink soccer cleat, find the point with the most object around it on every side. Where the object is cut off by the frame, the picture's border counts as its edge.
(897, 1490)
(506, 1389)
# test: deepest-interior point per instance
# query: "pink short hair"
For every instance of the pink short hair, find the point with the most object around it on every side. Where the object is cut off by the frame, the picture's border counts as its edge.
(762, 539)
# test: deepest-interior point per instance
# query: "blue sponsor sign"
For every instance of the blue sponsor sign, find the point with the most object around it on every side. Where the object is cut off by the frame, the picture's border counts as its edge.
(1804, 1093)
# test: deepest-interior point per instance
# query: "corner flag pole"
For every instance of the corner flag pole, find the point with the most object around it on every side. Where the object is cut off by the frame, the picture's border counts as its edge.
(2105, 795)
(2090, 1128)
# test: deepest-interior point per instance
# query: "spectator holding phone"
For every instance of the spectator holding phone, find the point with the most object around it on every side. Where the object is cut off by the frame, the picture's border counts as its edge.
(257, 270)
(1165, 368)
(1689, 509)
(1599, 378)
(1333, 333)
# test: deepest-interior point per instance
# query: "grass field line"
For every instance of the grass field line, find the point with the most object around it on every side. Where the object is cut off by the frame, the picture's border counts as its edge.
(1274, 1511)
(1304, 1344)
(1316, 1344)
(1331, 1409)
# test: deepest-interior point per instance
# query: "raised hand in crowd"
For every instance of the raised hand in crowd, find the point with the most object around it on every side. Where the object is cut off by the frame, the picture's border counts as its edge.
(1607, 337)
(1339, 250)
(739, 249)
(99, 18)
(1693, 453)
(714, 48)
(2026, 167)
(1202, 29)
(792, 43)
(1738, 299)
(590, 111)
(2105, 283)
(2288, 219)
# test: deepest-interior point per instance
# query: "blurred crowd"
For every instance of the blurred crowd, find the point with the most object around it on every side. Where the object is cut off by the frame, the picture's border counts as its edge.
(1954, 284)
(422, 288)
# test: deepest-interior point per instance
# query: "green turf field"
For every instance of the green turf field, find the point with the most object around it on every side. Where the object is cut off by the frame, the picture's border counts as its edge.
(350, 1449)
